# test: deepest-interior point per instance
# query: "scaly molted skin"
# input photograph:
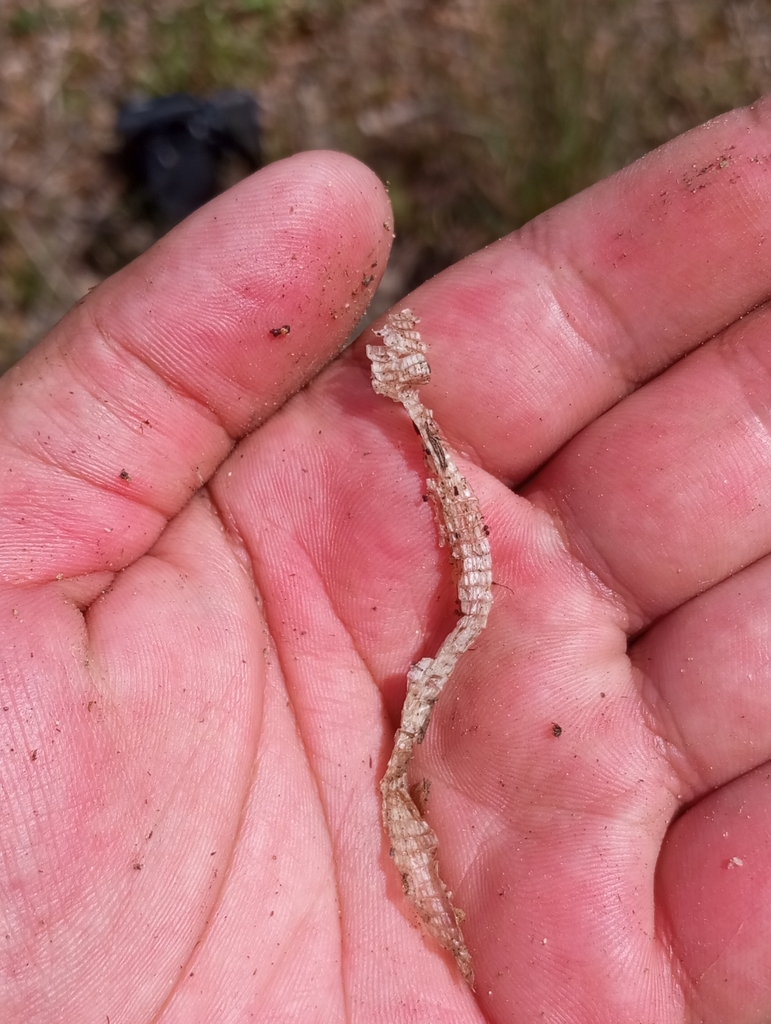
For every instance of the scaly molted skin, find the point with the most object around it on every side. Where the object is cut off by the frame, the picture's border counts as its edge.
(415, 857)
(398, 367)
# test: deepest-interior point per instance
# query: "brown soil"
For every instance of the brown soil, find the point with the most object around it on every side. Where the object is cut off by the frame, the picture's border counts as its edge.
(480, 113)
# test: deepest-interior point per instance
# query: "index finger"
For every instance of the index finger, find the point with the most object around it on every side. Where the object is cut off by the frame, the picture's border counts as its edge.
(533, 337)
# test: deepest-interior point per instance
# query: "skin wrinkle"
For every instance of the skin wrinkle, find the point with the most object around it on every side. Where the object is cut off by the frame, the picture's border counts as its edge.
(583, 554)
(323, 804)
(688, 984)
(273, 625)
(689, 758)
(295, 942)
(44, 458)
(593, 283)
(173, 380)
(224, 873)
(601, 308)
(99, 485)
(170, 385)
(568, 513)
(674, 747)
(731, 939)
(732, 360)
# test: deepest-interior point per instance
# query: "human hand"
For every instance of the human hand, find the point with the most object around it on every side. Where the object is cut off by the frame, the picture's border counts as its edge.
(205, 646)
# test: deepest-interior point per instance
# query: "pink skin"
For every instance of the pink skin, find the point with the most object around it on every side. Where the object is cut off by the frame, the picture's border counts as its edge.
(198, 696)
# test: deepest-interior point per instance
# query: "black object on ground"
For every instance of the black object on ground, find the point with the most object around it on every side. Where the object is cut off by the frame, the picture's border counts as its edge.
(174, 148)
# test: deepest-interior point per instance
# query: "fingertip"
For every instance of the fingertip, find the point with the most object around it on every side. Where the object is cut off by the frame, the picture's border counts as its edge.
(134, 399)
(240, 304)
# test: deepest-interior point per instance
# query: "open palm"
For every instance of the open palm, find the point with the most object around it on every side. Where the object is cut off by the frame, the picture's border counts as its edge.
(212, 593)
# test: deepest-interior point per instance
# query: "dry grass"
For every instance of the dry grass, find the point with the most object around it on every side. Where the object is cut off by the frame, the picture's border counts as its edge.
(480, 113)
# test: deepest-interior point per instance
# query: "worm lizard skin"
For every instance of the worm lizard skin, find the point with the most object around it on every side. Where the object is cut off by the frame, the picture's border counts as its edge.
(399, 367)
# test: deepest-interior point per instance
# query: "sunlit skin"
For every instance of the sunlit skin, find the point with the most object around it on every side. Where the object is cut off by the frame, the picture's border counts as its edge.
(214, 584)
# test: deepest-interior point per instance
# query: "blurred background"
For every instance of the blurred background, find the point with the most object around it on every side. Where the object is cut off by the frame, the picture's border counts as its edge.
(479, 113)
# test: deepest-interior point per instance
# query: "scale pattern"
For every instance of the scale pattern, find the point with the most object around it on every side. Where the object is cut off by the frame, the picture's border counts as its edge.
(399, 367)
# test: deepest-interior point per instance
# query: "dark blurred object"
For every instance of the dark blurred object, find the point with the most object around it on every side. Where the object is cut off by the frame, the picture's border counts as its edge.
(174, 148)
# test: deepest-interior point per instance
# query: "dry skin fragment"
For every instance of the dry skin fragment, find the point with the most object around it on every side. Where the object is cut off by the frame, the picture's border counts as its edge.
(399, 366)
